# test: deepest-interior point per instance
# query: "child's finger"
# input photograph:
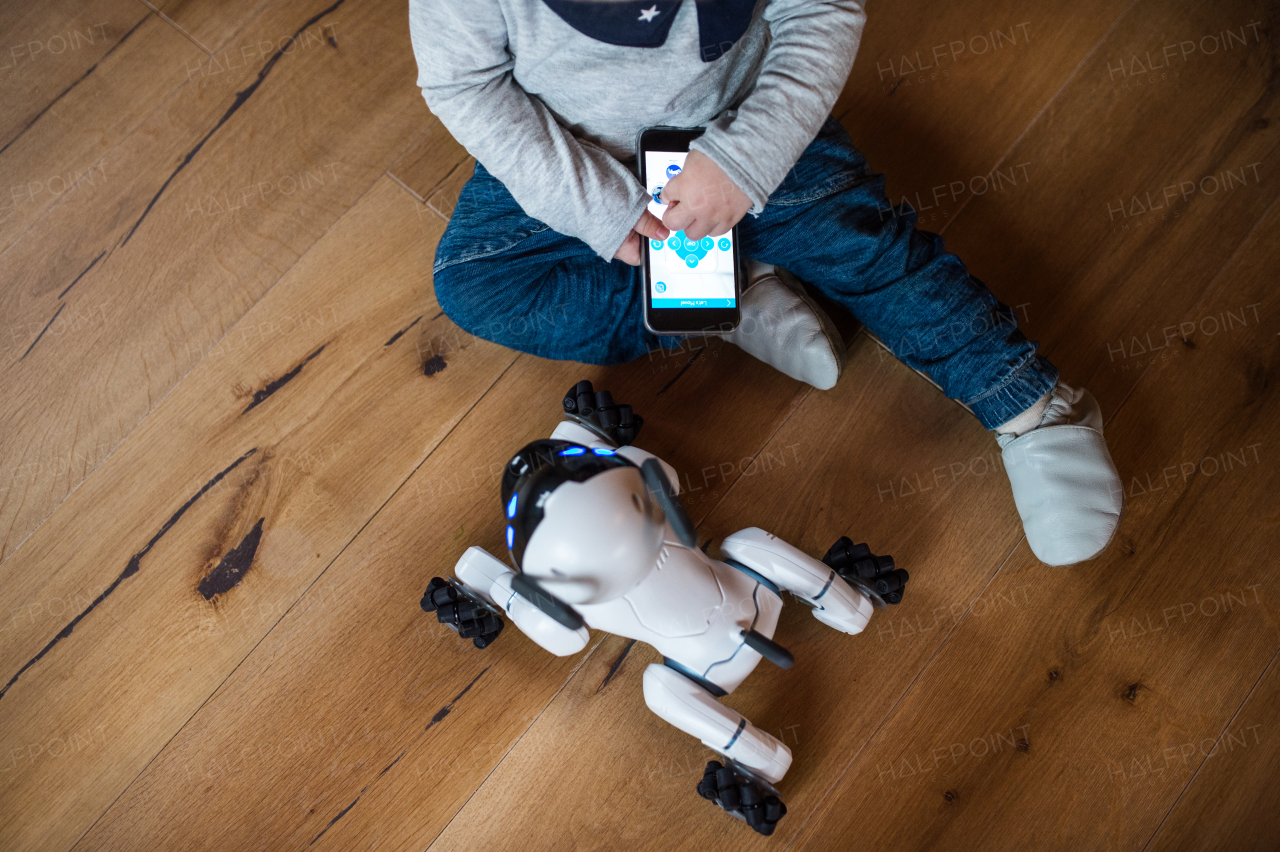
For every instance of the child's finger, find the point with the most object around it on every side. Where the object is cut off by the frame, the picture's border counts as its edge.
(679, 217)
(670, 193)
(651, 226)
(698, 229)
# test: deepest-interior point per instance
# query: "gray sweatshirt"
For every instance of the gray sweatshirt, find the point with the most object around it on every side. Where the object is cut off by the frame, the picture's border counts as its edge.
(554, 114)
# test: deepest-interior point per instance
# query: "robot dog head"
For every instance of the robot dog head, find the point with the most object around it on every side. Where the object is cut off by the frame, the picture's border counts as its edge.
(580, 520)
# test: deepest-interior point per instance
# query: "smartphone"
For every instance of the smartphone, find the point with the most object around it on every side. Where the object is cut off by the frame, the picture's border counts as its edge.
(691, 286)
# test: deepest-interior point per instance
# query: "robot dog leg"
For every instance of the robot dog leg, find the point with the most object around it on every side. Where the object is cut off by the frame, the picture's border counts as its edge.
(483, 589)
(838, 593)
(744, 788)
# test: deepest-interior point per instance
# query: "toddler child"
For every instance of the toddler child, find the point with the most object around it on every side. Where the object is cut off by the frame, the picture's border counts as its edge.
(549, 97)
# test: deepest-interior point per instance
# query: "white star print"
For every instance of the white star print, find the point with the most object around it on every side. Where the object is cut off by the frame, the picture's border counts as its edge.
(649, 14)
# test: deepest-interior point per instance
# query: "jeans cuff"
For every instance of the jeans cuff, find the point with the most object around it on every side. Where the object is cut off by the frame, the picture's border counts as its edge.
(1020, 390)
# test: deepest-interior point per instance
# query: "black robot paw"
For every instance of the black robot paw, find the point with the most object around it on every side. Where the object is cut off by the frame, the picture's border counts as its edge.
(597, 411)
(742, 796)
(470, 618)
(862, 568)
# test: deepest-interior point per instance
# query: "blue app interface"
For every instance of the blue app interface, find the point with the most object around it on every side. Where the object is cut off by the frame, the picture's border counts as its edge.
(685, 273)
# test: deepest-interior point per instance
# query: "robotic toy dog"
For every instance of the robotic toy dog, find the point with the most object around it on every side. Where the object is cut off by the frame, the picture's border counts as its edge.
(599, 539)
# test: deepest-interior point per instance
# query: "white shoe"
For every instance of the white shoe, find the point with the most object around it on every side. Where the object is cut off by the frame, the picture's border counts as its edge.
(783, 327)
(1064, 483)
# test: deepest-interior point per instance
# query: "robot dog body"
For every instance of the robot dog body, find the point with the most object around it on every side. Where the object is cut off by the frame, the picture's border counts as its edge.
(600, 540)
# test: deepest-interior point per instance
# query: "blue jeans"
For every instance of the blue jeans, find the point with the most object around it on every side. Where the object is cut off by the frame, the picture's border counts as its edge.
(510, 279)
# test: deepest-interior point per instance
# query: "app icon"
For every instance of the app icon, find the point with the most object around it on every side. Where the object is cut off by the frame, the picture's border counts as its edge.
(725, 245)
(661, 287)
(672, 171)
(657, 195)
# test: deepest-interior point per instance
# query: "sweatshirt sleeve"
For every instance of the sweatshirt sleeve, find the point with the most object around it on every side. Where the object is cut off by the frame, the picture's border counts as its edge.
(465, 72)
(809, 58)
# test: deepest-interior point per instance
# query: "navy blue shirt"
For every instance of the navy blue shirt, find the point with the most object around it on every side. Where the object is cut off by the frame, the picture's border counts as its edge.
(645, 23)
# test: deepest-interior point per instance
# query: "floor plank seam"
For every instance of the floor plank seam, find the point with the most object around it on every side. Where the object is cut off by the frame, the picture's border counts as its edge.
(78, 81)
(231, 328)
(889, 714)
(171, 22)
(127, 134)
(435, 186)
(568, 680)
(285, 614)
(405, 186)
(1216, 742)
(242, 97)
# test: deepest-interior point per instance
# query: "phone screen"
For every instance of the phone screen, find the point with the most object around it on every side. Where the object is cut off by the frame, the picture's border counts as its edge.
(685, 273)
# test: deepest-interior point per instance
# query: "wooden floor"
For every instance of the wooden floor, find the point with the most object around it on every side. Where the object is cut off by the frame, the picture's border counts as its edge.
(237, 436)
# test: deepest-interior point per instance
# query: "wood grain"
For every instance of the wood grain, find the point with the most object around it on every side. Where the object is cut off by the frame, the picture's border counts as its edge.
(183, 250)
(326, 421)
(49, 48)
(809, 490)
(1230, 801)
(68, 148)
(429, 160)
(450, 503)
(214, 26)
(937, 97)
(1153, 646)
(236, 475)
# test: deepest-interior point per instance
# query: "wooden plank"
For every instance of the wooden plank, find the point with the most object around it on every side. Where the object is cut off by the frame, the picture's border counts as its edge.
(1153, 646)
(249, 478)
(937, 97)
(1231, 801)
(48, 48)
(248, 179)
(387, 669)
(1119, 276)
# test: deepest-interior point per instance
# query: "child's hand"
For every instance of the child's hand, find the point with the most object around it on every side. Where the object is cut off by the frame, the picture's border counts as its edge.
(703, 200)
(647, 228)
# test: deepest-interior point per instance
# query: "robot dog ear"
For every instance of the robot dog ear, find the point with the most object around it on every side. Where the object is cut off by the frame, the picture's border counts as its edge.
(656, 478)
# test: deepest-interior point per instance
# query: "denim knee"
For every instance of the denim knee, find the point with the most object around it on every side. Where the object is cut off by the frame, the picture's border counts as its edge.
(450, 296)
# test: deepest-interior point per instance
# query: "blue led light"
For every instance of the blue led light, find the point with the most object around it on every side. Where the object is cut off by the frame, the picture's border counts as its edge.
(603, 452)
(511, 506)
(573, 451)
(511, 536)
